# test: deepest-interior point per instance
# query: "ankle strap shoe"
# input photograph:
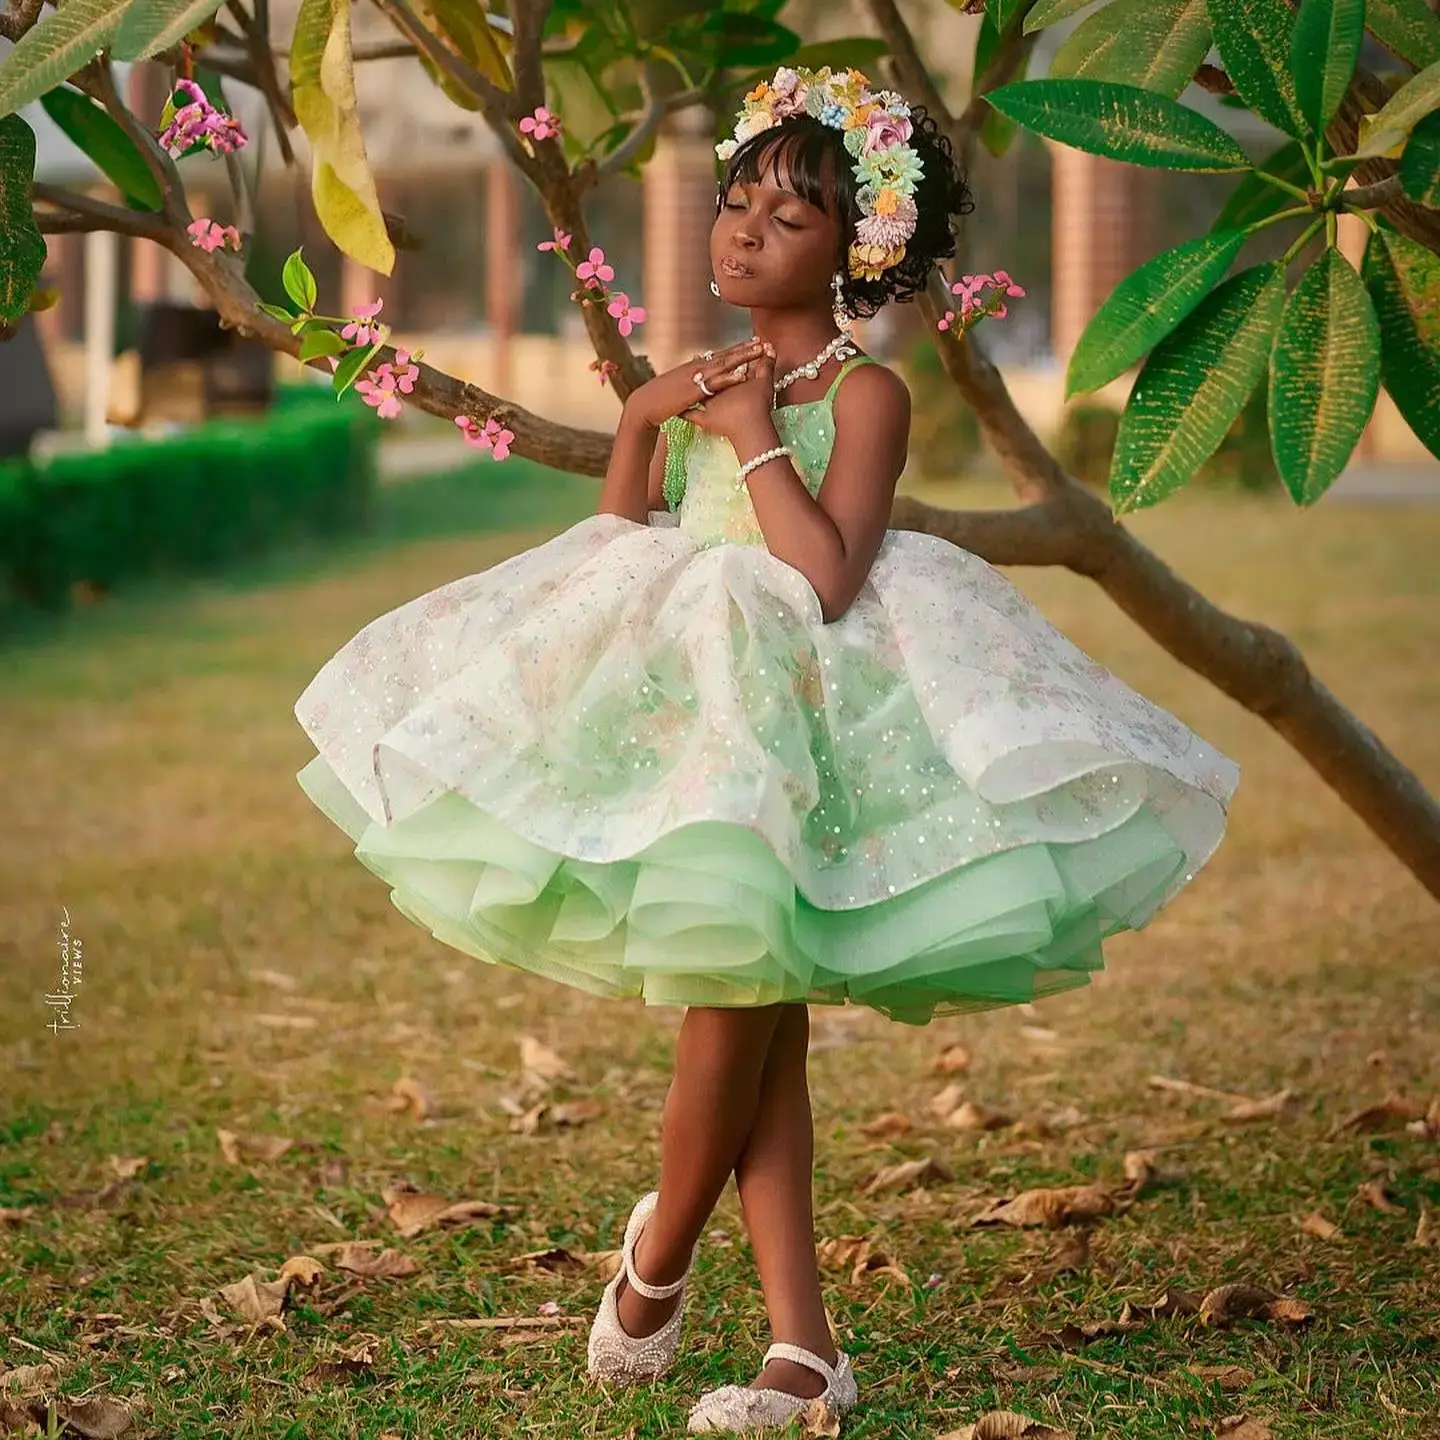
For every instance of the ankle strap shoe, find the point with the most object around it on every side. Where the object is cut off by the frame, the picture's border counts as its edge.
(734, 1409)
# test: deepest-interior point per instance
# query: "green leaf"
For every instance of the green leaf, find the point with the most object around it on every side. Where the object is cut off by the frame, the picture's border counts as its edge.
(734, 39)
(22, 247)
(1002, 12)
(1406, 28)
(99, 137)
(353, 366)
(276, 312)
(1193, 386)
(1323, 51)
(1255, 198)
(1324, 376)
(850, 50)
(322, 342)
(997, 131)
(150, 26)
(1420, 164)
(299, 282)
(1253, 37)
(1049, 12)
(987, 42)
(57, 47)
(1120, 121)
(1146, 306)
(1155, 44)
(1404, 282)
(467, 23)
(322, 73)
(1404, 110)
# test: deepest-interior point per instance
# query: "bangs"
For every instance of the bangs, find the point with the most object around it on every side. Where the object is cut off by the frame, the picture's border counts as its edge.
(810, 154)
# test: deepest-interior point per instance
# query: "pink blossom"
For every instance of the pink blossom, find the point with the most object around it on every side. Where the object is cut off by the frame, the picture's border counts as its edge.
(406, 373)
(200, 123)
(627, 314)
(946, 320)
(882, 130)
(606, 368)
(360, 330)
(378, 390)
(492, 436)
(211, 236)
(594, 269)
(542, 124)
(560, 242)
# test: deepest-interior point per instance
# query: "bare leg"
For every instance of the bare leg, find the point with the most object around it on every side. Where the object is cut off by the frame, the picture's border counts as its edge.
(774, 1175)
(710, 1109)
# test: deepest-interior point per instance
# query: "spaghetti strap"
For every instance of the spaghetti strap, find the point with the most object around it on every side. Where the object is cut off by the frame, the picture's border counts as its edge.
(845, 369)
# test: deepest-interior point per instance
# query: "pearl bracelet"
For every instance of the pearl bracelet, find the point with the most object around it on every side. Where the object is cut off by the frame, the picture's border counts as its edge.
(758, 461)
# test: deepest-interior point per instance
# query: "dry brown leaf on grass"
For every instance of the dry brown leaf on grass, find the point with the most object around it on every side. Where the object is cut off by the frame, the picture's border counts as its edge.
(817, 1418)
(286, 1022)
(952, 1060)
(1229, 1303)
(1372, 1192)
(302, 1269)
(98, 1418)
(557, 1260)
(14, 1214)
(257, 1301)
(970, 1115)
(1427, 1233)
(412, 1210)
(1269, 1108)
(1227, 1377)
(1075, 1336)
(237, 1149)
(856, 1253)
(344, 1362)
(945, 1102)
(409, 1097)
(1172, 1301)
(1395, 1106)
(1428, 1126)
(126, 1167)
(1007, 1425)
(1322, 1229)
(1189, 1087)
(539, 1059)
(1055, 1207)
(387, 1265)
(884, 1127)
(26, 1380)
(905, 1174)
(1242, 1427)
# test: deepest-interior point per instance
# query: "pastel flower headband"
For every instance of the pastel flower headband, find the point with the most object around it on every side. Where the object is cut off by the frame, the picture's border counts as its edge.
(876, 125)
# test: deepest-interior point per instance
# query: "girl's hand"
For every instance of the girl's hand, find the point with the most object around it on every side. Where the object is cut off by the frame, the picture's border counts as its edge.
(675, 392)
(742, 410)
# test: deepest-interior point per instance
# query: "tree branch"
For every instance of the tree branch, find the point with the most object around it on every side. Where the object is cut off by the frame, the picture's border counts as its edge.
(1372, 197)
(79, 213)
(657, 107)
(264, 76)
(528, 18)
(161, 166)
(18, 18)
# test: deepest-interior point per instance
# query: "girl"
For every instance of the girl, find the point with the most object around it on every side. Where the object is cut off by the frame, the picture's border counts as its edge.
(754, 750)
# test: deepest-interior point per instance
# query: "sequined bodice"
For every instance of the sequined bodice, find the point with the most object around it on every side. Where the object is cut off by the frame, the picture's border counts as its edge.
(700, 468)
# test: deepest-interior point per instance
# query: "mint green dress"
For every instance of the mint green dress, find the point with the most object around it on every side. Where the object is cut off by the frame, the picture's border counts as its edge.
(636, 760)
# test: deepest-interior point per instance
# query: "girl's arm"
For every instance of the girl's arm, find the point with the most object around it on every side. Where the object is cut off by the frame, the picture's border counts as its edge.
(833, 539)
(630, 475)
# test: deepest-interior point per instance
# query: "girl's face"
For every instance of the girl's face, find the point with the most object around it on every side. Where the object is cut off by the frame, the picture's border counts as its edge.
(770, 249)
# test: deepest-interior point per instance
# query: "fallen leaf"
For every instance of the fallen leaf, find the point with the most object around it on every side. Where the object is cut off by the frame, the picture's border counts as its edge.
(1372, 1192)
(1395, 1106)
(287, 1022)
(1024, 1374)
(1071, 1255)
(857, 1254)
(557, 1260)
(332, 1174)
(576, 1112)
(409, 1096)
(1267, 1109)
(1227, 1377)
(1428, 1127)
(953, 1060)
(13, 1215)
(237, 1149)
(1053, 1207)
(1007, 1425)
(540, 1059)
(303, 1269)
(818, 1418)
(257, 1301)
(30, 1379)
(528, 1122)
(1322, 1229)
(101, 1199)
(412, 1210)
(1188, 1087)
(972, 1116)
(885, 1126)
(1228, 1303)
(127, 1167)
(944, 1104)
(1172, 1301)
(387, 1265)
(1239, 1427)
(905, 1174)
(1427, 1233)
(1040, 1034)
(98, 1418)
(1075, 1335)
(278, 978)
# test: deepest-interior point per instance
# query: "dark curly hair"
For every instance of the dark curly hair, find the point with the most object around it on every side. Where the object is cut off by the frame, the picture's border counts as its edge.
(822, 172)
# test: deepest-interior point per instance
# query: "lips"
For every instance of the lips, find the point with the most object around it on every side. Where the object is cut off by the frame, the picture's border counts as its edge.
(734, 268)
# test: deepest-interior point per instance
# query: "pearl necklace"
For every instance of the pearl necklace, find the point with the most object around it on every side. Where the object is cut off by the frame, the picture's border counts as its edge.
(842, 347)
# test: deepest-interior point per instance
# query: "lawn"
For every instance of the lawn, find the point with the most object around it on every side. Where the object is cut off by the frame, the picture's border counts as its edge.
(246, 983)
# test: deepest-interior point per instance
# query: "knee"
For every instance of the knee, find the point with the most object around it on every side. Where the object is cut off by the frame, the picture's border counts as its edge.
(726, 1044)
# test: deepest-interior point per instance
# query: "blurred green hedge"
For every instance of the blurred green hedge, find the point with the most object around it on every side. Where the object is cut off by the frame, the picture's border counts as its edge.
(189, 503)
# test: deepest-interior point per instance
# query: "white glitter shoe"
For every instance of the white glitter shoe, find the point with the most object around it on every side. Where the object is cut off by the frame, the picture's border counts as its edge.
(616, 1355)
(738, 1408)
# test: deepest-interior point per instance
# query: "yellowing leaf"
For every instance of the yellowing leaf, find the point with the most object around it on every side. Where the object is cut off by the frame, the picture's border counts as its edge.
(323, 88)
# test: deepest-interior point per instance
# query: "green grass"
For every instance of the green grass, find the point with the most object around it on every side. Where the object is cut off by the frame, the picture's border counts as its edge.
(152, 754)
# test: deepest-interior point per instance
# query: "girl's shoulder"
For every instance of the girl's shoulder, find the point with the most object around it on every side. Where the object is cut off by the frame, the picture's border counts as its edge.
(867, 386)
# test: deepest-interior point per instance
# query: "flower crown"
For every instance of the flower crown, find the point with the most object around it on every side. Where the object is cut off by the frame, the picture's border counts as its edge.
(876, 125)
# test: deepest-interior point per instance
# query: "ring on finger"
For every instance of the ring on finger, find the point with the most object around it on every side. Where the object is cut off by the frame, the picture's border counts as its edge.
(699, 378)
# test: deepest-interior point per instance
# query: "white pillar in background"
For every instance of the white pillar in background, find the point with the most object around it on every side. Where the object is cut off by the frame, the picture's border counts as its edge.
(102, 269)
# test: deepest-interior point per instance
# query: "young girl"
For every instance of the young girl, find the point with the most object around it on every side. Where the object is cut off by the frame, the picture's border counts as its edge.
(764, 752)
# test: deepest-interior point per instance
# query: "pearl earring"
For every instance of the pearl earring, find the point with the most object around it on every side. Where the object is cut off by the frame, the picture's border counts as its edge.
(843, 320)
(714, 288)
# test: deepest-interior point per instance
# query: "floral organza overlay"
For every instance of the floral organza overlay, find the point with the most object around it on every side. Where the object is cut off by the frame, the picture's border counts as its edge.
(635, 759)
